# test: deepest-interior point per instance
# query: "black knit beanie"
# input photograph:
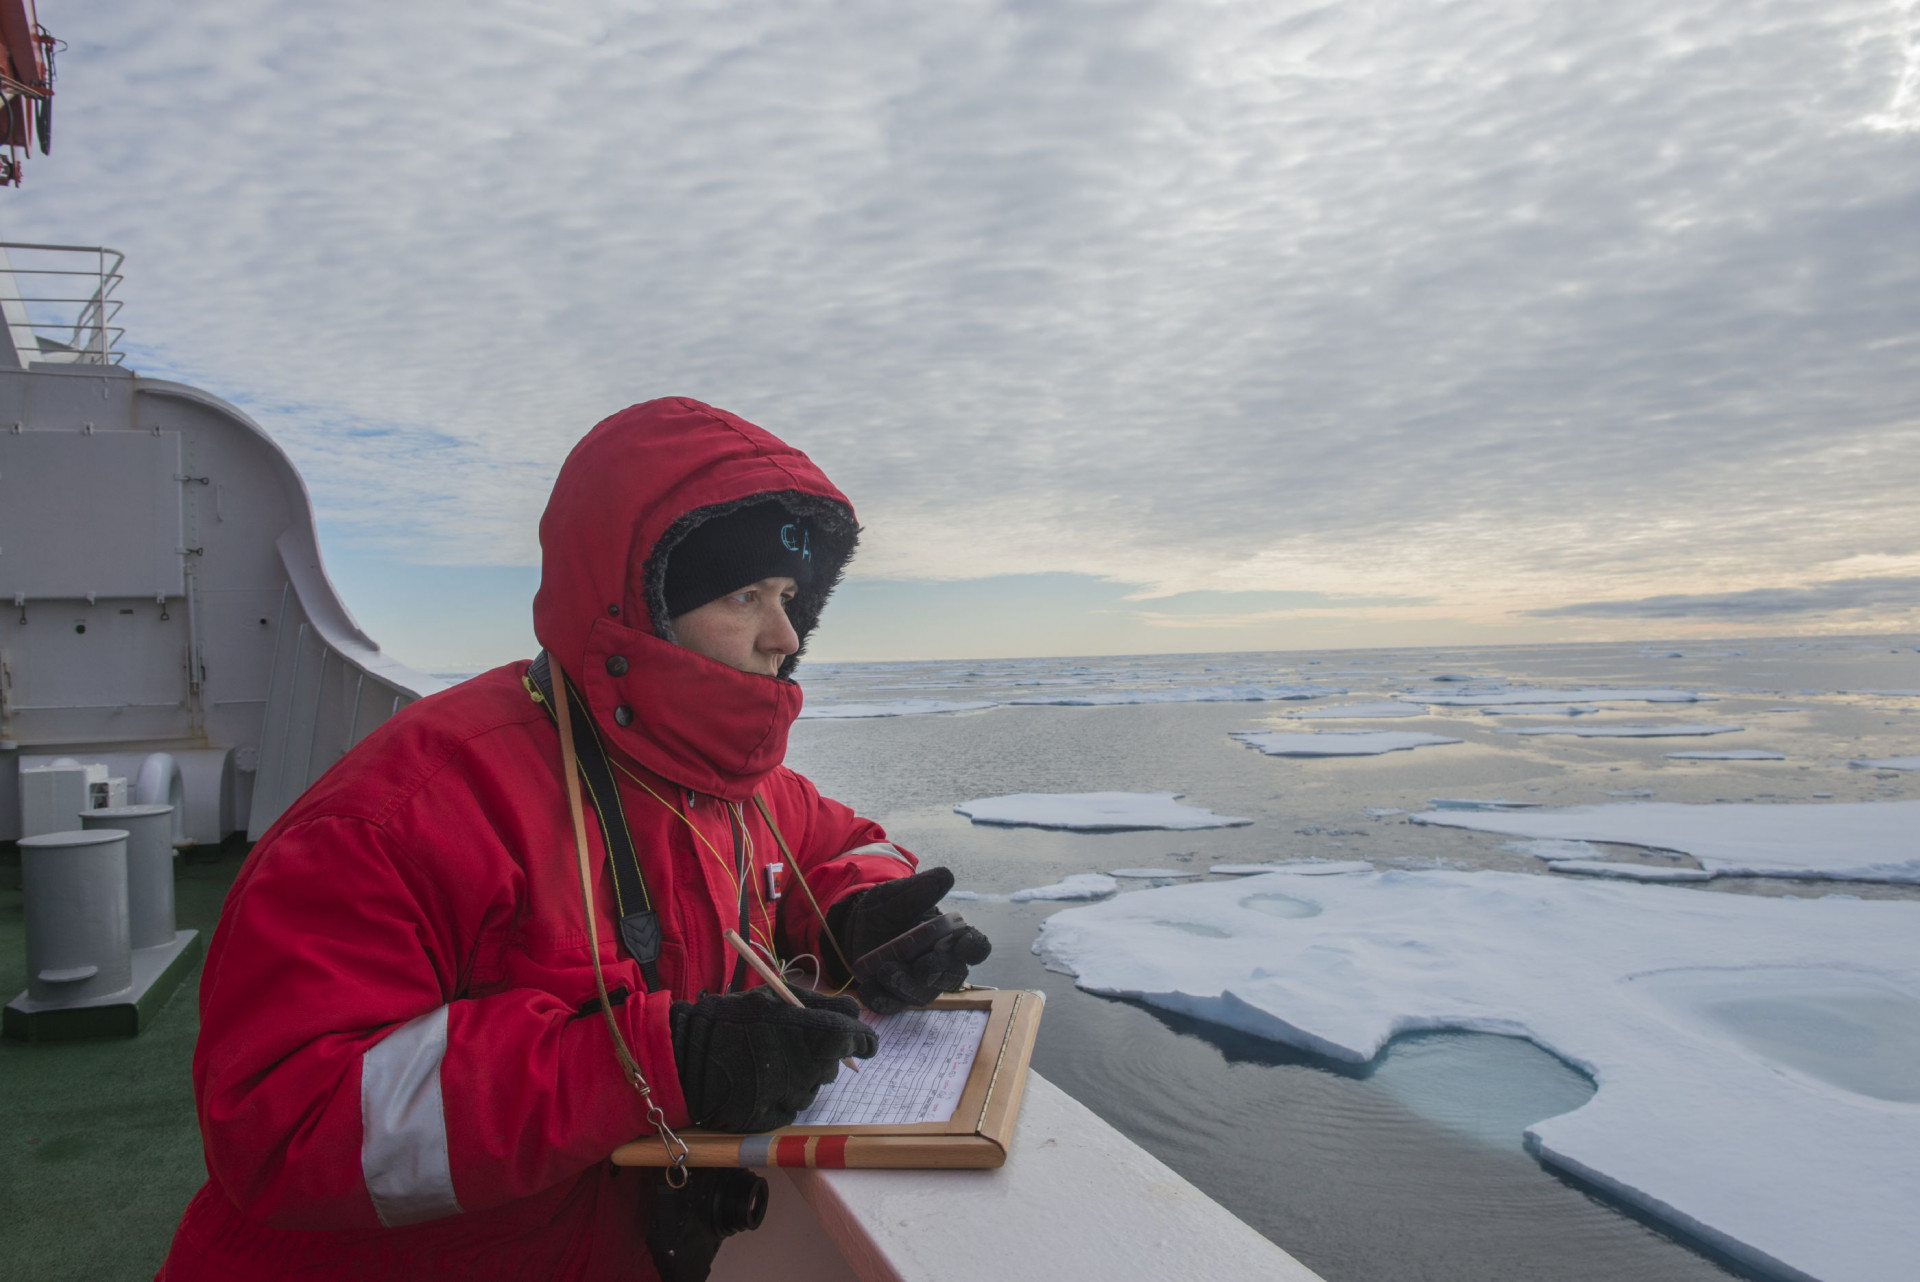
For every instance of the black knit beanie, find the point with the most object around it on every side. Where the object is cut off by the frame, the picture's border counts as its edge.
(726, 553)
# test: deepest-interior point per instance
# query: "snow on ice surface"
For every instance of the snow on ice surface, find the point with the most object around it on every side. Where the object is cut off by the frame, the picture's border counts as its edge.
(1621, 732)
(1157, 874)
(1494, 698)
(1094, 811)
(1358, 711)
(1845, 841)
(1337, 743)
(1754, 1055)
(1888, 763)
(1081, 885)
(1731, 754)
(887, 708)
(1184, 694)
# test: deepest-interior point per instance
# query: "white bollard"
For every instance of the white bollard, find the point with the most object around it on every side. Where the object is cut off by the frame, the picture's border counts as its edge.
(149, 867)
(74, 885)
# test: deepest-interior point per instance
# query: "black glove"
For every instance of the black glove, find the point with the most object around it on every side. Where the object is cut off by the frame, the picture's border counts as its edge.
(869, 918)
(750, 1062)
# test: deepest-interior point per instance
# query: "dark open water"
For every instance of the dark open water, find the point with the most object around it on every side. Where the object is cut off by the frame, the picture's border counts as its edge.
(1411, 1167)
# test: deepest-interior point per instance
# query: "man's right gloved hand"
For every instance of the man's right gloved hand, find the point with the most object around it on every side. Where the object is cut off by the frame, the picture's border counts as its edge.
(750, 1062)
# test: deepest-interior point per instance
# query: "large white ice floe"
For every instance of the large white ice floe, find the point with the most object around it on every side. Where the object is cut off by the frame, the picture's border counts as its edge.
(1094, 811)
(1515, 695)
(1847, 841)
(887, 708)
(1754, 1055)
(1080, 885)
(1729, 754)
(1183, 694)
(1337, 743)
(1887, 763)
(1356, 711)
(1622, 732)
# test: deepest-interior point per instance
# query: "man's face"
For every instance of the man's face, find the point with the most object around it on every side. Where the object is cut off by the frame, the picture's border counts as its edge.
(747, 629)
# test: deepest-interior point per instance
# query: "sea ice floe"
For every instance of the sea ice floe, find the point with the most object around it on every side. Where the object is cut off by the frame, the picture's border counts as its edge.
(1382, 812)
(1731, 754)
(1154, 874)
(1909, 694)
(887, 708)
(1081, 885)
(1296, 867)
(1337, 743)
(1476, 803)
(1543, 710)
(1887, 763)
(1320, 867)
(1845, 841)
(1629, 872)
(1494, 698)
(1185, 694)
(1356, 711)
(1621, 732)
(1094, 811)
(1753, 1054)
(1551, 850)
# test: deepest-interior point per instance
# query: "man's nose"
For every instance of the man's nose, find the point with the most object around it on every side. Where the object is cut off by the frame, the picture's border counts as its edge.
(778, 636)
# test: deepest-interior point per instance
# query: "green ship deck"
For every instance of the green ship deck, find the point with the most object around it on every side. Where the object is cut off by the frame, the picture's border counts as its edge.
(102, 1149)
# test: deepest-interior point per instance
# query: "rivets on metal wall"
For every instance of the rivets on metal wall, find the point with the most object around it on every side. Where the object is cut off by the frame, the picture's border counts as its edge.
(617, 665)
(623, 716)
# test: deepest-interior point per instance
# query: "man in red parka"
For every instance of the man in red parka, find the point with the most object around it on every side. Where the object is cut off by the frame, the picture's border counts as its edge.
(403, 1069)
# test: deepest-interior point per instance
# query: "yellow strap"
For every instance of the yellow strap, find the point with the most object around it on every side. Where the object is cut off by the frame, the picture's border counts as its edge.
(800, 874)
(629, 1066)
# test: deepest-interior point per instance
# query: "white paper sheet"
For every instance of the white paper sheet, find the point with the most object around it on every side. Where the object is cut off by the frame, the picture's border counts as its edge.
(925, 1057)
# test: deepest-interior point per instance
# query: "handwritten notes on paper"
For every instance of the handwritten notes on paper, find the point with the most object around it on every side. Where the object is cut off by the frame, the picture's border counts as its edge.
(918, 1075)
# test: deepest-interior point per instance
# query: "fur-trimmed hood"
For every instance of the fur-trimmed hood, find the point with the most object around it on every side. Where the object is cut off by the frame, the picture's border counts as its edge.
(628, 493)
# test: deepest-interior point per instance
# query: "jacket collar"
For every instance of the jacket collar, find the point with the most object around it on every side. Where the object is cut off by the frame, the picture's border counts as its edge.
(691, 720)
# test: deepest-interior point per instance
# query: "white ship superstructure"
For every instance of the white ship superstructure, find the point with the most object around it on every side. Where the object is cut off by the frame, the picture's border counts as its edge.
(167, 619)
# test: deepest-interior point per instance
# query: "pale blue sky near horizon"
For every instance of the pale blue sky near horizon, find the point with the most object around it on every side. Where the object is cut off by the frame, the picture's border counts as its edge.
(1142, 328)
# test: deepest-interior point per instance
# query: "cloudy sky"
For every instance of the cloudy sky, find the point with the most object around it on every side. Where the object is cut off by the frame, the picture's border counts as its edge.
(1149, 326)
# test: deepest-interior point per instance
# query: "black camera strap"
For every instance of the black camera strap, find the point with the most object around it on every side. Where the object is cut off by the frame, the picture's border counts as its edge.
(639, 923)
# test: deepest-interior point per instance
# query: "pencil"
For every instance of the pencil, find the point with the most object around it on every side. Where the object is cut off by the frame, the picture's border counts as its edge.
(772, 977)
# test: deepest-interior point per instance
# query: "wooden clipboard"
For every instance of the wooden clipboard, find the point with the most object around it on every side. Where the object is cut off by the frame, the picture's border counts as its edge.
(976, 1137)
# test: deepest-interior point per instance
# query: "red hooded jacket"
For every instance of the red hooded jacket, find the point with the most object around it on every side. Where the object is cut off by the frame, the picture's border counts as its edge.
(394, 1075)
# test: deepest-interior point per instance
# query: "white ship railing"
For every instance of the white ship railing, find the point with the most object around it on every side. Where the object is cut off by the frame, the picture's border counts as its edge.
(62, 308)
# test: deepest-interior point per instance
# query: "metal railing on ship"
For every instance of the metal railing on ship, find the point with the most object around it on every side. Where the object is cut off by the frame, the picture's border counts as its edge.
(59, 303)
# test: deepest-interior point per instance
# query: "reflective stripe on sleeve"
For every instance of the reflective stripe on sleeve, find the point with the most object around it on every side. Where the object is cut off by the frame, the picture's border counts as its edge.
(403, 1126)
(885, 849)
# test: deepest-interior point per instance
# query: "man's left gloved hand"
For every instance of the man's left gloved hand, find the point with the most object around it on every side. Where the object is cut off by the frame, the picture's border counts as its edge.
(869, 918)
